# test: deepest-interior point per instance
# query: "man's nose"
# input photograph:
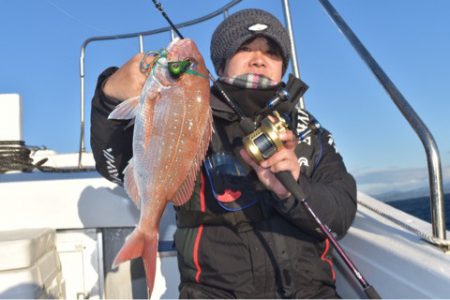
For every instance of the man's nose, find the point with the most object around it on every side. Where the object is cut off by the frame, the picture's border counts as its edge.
(257, 59)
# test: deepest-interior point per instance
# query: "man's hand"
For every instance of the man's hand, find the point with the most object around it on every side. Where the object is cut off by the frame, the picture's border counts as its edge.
(127, 81)
(283, 160)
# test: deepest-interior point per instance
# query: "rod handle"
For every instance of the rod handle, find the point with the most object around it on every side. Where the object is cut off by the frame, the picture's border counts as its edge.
(371, 293)
(286, 178)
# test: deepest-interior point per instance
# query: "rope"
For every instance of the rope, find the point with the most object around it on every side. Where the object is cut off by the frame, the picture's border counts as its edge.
(445, 244)
(15, 156)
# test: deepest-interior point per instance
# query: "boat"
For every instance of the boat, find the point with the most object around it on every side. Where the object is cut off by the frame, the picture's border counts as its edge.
(62, 223)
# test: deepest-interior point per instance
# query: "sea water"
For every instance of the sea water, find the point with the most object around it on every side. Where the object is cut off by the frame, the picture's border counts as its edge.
(420, 207)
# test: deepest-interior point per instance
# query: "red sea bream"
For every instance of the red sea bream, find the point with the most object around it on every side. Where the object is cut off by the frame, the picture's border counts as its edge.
(172, 130)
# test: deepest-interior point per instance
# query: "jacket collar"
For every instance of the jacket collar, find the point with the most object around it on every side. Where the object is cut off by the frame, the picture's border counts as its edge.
(223, 110)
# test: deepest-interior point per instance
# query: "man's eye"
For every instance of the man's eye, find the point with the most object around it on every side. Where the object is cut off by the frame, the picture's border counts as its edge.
(273, 53)
(244, 49)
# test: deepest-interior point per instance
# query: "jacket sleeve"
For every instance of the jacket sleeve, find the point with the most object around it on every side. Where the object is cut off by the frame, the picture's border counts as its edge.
(330, 191)
(111, 140)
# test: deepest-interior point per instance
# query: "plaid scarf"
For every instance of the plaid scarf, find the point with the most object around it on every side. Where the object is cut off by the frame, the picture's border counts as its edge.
(249, 81)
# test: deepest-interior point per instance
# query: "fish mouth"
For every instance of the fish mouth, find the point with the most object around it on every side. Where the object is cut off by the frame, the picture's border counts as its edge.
(166, 81)
(162, 75)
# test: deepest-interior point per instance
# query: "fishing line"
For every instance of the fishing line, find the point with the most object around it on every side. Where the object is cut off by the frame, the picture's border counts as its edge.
(78, 20)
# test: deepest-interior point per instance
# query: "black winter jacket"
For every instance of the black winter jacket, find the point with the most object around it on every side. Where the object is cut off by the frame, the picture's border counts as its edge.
(257, 245)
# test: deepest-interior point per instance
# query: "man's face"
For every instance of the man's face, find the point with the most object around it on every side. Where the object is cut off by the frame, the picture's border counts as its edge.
(255, 57)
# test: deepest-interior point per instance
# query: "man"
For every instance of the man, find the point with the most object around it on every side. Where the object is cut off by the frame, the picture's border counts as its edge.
(242, 234)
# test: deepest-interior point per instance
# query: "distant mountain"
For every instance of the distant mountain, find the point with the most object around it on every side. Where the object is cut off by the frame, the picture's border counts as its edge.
(399, 184)
(402, 195)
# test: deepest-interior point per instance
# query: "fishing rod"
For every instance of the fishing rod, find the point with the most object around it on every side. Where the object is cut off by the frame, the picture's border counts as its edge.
(286, 178)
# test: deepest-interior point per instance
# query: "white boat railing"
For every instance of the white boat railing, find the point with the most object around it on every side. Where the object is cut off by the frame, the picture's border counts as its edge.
(433, 158)
(223, 10)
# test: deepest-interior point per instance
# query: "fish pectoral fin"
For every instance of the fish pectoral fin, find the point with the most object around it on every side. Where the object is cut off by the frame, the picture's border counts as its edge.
(148, 112)
(130, 184)
(184, 192)
(125, 110)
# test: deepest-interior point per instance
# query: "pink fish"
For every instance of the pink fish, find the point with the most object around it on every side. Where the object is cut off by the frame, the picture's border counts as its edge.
(172, 130)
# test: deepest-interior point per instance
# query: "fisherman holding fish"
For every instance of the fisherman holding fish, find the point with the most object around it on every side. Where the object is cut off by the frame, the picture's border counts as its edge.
(241, 234)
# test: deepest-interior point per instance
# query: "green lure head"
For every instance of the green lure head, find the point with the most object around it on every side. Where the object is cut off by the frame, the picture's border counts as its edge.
(178, 68)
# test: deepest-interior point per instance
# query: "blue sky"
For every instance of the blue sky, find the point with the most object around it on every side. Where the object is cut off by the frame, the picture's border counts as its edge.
(40, 49)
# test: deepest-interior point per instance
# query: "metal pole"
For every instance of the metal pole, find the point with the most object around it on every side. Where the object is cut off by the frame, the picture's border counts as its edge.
(295, 69)
(82, 145)
(141, 43)
(431, 149)
(287, 18)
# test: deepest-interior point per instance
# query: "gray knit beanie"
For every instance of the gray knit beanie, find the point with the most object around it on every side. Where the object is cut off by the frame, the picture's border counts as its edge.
(242, 26)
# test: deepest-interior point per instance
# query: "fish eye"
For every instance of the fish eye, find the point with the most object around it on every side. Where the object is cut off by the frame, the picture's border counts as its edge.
(193, 61)
(177, 68)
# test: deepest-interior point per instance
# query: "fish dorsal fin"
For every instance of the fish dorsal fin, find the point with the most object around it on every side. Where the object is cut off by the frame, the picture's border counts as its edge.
(125, 110)
(184, 193)
(131, 185)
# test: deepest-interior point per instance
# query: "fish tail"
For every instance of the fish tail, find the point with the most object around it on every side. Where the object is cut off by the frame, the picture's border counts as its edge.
(149, 258)
(143, 245)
